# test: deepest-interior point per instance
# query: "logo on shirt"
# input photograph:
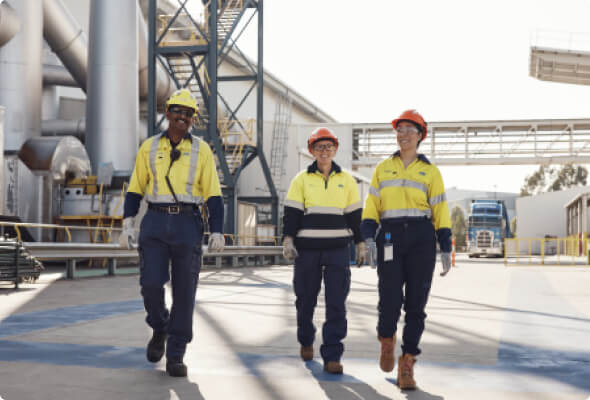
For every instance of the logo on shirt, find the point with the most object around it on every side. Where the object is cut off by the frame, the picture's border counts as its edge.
(340, 185)
(186, 153)
(422, 173)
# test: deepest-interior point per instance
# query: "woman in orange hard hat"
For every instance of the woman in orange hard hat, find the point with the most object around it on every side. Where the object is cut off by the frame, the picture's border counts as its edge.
(322, 214)
(406, 211)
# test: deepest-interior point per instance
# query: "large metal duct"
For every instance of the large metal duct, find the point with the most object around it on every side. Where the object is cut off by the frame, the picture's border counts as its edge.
(54, 159)
(2, 187)
(63, 127)
(112, 109)
(9, 23)
(164, 83)
(20, 76)
(67, 39)
(58, 75)
(57, 157)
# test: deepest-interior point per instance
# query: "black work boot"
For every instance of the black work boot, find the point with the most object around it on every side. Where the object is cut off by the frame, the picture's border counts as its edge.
(175, 367)
(156, 346)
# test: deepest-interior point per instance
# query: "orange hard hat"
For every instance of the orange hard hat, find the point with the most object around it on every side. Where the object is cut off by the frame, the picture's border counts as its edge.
(321, 134)
(412, 116)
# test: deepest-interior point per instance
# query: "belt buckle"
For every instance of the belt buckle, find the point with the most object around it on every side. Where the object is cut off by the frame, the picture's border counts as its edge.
(173, 209)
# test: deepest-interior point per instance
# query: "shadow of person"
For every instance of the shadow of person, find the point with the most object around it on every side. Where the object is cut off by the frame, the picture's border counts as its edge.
(182, 389)
(342, 387)
(417, 394)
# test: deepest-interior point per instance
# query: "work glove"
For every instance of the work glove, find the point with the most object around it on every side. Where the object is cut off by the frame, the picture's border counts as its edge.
(445, 258)
(289, 250)
(361, 254)
(128, 239)
(216, 243)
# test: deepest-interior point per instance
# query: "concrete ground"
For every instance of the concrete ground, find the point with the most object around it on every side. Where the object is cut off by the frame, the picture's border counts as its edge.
(492, 332)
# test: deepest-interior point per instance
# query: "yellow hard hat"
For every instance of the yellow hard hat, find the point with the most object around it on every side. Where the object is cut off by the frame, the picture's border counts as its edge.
(182, 97)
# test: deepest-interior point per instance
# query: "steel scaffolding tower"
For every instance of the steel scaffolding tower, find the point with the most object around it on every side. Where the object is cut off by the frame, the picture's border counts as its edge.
(191, 52)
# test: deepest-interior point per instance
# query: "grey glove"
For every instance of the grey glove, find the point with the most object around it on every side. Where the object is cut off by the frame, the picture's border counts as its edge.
(289, 250)
(361, 253)
(371, 252)
(127, 239)
(445, 258)
(216, 243)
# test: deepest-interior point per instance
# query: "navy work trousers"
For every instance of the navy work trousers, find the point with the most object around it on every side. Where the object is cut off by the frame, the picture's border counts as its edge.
(406, 279)
(334, 266)
(170, 244)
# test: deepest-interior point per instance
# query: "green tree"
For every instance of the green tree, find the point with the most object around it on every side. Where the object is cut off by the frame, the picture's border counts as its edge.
(458, 226)
(551, 179)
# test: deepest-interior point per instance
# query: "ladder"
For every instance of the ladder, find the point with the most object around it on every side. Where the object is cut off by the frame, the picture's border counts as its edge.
(280, 137)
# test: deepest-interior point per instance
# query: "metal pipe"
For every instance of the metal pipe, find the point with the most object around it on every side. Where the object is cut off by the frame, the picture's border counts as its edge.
(67, 39)
(20, 76)
(164, 83)
(112, 108)
(63, 127)
(58, 76)
(9, 23)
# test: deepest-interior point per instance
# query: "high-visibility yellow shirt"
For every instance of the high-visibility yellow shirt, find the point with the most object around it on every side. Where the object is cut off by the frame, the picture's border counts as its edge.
(399, 192)
(193, 176)
(320, 212)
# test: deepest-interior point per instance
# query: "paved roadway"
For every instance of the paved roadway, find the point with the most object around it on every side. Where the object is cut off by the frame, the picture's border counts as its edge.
(493, 332)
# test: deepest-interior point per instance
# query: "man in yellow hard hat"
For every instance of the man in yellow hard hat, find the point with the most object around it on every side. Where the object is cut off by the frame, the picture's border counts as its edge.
(176, 173)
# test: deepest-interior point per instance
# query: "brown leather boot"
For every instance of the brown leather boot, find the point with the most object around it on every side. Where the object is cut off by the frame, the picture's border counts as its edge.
(387, 360)
(306, 353)
(405, 372)
(333, 367)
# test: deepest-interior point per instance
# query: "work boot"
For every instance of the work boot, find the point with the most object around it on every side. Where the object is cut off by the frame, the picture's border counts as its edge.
(333, 367)
(156, 346)
(405, 372)
(306, 353)
(387, 359)
(175, 367)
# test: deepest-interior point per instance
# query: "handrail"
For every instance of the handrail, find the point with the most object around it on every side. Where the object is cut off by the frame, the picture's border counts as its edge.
(67, 228)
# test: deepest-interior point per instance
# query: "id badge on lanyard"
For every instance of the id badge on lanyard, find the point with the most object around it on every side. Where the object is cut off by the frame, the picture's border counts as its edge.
(387, 248)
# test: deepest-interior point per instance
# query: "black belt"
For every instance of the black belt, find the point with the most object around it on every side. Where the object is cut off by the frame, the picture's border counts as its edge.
(174, 209)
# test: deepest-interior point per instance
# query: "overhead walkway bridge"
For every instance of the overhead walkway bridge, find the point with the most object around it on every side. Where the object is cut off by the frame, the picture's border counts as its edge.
(501, 142)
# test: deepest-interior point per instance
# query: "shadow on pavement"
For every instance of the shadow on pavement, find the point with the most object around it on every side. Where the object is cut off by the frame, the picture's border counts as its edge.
(342, 387)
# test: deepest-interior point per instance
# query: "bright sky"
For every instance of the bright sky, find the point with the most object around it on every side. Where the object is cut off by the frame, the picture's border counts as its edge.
(366, 61)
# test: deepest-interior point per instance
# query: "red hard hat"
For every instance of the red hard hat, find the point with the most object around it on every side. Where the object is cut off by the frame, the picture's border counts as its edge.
(412, 116)
(321, 134)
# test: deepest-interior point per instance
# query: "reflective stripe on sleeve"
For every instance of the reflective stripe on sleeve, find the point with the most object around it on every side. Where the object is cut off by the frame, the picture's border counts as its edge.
(353, 207)
(437, 199)
(294, 204)
(374, 191)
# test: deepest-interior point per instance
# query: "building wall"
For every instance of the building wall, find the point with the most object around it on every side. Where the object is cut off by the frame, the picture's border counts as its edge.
(544, 214)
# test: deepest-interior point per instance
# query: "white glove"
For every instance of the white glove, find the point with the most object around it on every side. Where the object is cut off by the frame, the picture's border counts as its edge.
(216, 243)
(289, 250)
(128, 236)
(361, 253)
(445, 258)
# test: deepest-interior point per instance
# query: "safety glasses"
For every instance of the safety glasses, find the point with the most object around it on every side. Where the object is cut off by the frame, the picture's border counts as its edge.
(323, 147)
(182, 111)
(407, 129)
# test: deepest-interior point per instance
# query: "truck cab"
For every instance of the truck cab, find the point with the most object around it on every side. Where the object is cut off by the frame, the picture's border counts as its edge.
(488, 226)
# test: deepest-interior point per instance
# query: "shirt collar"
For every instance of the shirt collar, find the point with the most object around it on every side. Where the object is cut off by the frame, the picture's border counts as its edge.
(313, 167)
(187, 136)
(421, 157)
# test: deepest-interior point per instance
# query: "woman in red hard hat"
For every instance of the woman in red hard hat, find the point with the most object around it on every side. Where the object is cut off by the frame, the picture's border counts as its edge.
(407, 202)
(322, 214)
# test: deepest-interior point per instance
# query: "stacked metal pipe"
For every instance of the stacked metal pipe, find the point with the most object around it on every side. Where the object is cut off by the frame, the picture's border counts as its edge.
(14, 257)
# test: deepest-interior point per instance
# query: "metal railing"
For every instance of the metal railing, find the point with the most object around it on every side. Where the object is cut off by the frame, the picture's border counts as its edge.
(571, 250)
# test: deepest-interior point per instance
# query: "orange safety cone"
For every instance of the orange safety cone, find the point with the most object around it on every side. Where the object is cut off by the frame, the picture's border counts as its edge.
(453, 254)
